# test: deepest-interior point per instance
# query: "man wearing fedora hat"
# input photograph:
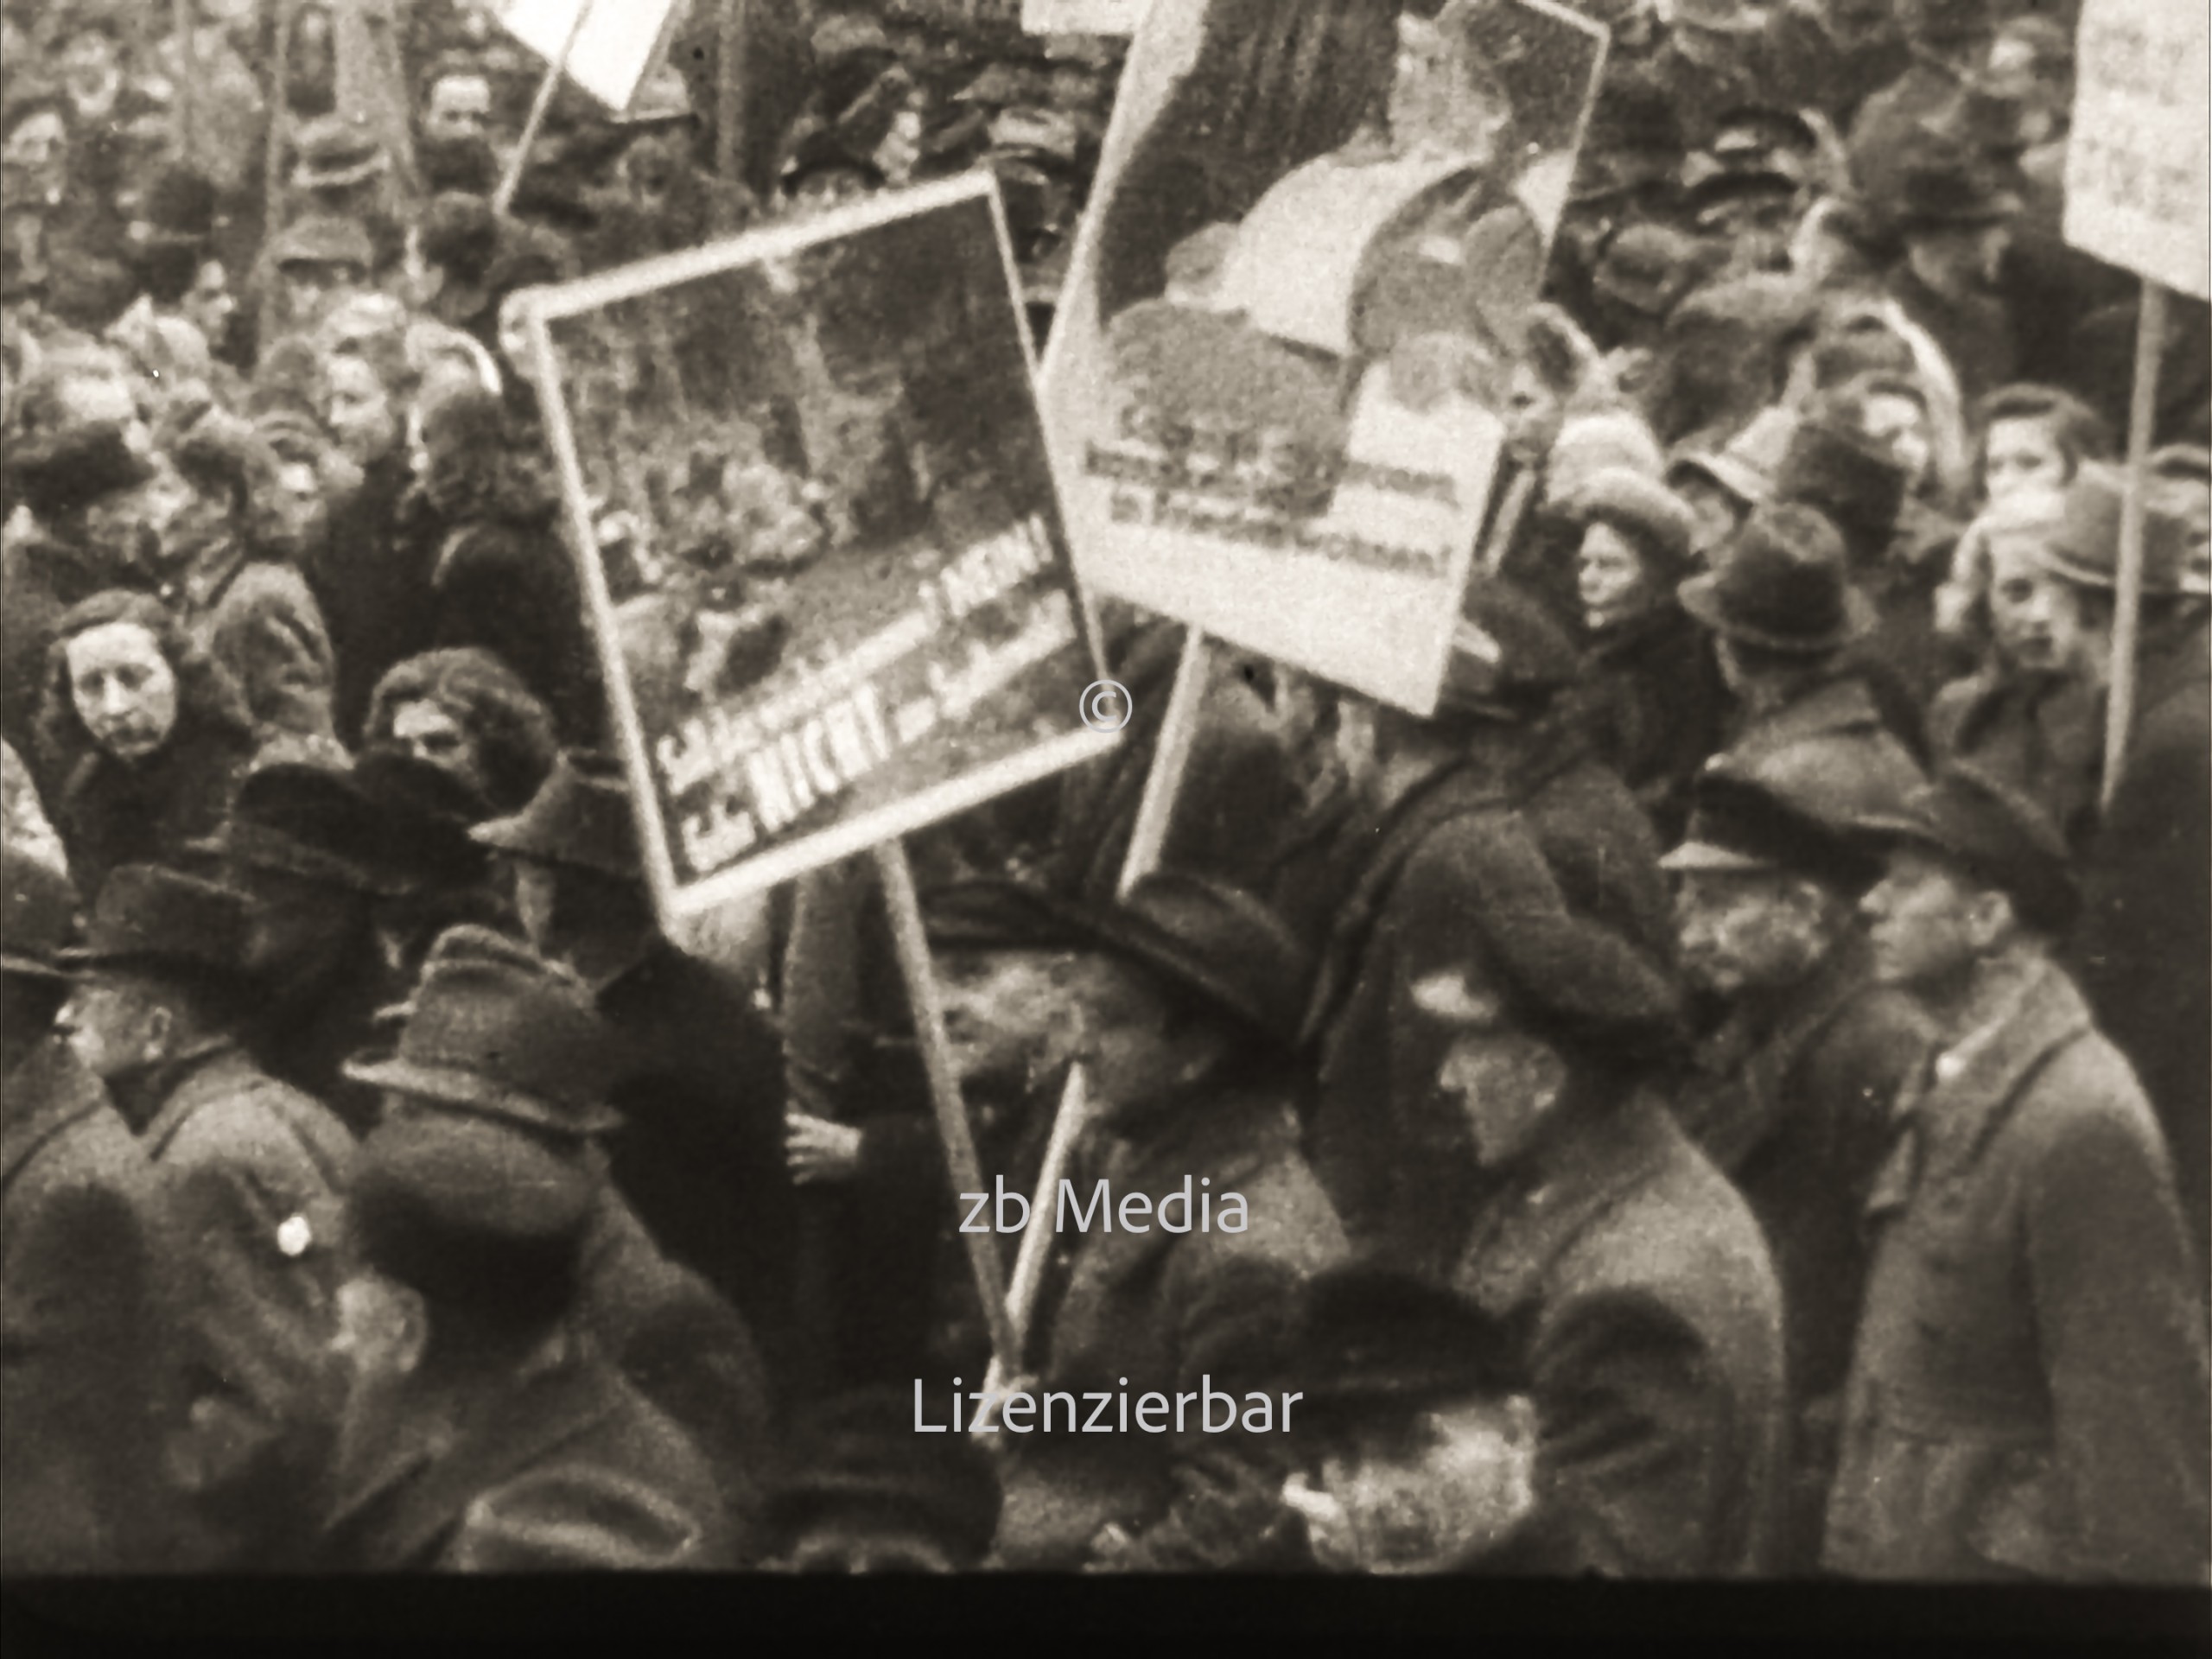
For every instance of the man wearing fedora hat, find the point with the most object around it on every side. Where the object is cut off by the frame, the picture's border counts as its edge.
(494, 1031)
(1791, 1095)
(340, 168)
(1946, 39)
(2142, 950)
(700, 1083)
(1485, 835)
(1955, 218)
(483, 1431)
(308, 849)
(1784, 614)
(1187, 1004)
(1647, 1324)
(2026, 1397)
(78, 1296)
(1417, 1444)
(259, 1168)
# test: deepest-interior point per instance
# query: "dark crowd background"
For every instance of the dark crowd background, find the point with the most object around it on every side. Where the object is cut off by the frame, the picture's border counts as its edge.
(1726, 1097)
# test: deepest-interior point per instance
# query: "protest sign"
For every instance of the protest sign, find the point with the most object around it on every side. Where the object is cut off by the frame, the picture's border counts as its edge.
(2136, 164)
(1278, 371)
(1082, 17)
(606, 47)
(823, 544)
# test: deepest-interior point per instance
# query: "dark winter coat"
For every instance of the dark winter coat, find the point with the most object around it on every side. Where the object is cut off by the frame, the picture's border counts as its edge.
(2143, 948)
(254, 1174)
(507, 582)
(110, 812)
(567, 1469)
(81, 1329)
(2042, 734)
(700, 1156)
(1168, 1311)
(1651, 1338)
(2027, 1396)
(1795, 1103)
(1653, 705)
(373, 582)
(1488, 870)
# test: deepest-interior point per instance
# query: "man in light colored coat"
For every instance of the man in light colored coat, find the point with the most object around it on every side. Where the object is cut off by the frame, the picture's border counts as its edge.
(2027, 1396)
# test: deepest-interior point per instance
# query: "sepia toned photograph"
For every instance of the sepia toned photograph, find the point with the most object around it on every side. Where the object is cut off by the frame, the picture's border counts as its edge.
(969, 821)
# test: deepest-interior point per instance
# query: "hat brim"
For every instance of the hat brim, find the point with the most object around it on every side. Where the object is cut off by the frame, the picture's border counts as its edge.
(467, 1092)
(79, 960)
(500, 836)
(31, 967)
(1995, 211)
(1704, 857)
(308, 178)
(1133, 938)
(1701, 597)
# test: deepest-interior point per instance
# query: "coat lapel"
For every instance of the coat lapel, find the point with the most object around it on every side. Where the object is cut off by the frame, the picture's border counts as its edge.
(1522, 1232)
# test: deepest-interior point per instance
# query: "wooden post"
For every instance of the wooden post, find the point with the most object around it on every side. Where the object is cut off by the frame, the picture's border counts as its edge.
(1068, 1125)
(503, 202)
(729, 92)
(187, 82)
(960, 1161)
(2127, 601)
(1171, 758)
(280, 138)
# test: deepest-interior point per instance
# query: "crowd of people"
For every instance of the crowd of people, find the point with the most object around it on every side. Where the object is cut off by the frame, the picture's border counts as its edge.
(1728, 1095)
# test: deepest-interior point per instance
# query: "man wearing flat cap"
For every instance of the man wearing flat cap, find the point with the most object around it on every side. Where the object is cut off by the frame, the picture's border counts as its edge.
(1187, 1005)
(317, 263)
(1784, 617)
(2142, 951)
(699, 1085)
(2027, 1393)
(1486, 836)
(1793, 1094)
(495, 1033)
(254, 1171)
(483, 1432)
(1646, 1317)
(79, 1309)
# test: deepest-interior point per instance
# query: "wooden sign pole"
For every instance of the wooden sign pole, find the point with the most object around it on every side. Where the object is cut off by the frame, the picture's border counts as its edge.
(280, 140)
(960, 1161)
(503, 202)
(188, 85)
(1171, 758)
(2127, 601)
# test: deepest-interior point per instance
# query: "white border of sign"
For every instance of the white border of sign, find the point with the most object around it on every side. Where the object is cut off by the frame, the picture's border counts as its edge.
(536, 310)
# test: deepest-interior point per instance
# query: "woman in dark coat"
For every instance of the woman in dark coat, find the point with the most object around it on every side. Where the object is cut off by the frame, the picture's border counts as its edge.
(1650, 697)
(141, 738)
(504, 579)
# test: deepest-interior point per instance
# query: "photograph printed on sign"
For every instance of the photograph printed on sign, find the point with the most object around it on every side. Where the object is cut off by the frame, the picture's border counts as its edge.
(828, 562)
(1281, 368)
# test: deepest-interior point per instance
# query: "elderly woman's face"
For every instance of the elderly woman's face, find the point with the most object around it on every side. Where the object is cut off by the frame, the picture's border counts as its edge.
(125, 690)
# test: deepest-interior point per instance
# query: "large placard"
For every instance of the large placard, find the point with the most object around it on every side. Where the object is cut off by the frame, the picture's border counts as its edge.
(612, 45)
(820, 534)
(1110, 17)
(1277, 375)
(2137, 189)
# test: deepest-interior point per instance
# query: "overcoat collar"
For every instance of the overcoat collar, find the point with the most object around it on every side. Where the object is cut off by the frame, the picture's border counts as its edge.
(1230, 1140)
(1567, 1186)
(1743, 1105)
(1965, 1094)
(191, 1083)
